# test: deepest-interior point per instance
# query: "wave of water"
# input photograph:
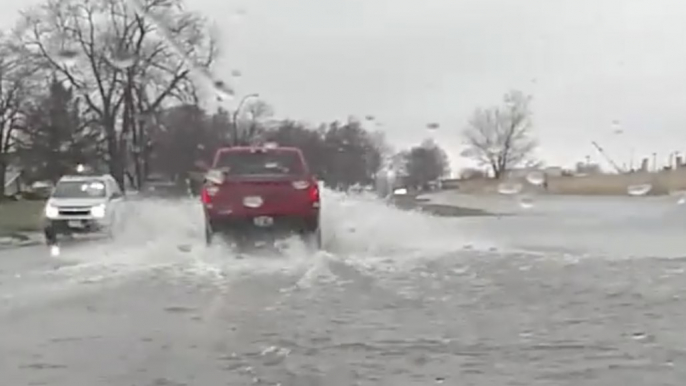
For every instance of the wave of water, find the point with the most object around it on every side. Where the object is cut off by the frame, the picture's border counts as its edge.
(359, 231)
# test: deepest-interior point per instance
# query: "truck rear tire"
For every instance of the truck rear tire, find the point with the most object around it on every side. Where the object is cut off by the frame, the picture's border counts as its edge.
(209, 235)
(313, 239)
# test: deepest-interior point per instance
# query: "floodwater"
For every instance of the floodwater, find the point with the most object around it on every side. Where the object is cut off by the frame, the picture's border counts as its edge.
(574, 291)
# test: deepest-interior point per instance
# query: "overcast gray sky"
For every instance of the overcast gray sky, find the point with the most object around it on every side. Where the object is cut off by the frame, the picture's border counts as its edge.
(587, 63)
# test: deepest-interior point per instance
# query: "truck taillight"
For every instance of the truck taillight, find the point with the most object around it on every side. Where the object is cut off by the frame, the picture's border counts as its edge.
(314, 193)
(207, 193)
(205, 196)
(311, 187)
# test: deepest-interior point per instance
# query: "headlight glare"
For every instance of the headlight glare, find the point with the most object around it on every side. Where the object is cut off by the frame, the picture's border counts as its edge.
(98, 211)
(51, 211)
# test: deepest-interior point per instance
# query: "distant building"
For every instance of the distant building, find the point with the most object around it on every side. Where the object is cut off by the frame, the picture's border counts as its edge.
(553, 171)
(550, 171)
(587, 168)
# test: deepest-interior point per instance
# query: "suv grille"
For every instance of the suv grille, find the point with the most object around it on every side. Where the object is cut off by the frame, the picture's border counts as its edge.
(75, 211)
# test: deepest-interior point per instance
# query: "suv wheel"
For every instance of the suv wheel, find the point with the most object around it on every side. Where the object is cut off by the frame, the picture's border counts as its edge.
(50, 235)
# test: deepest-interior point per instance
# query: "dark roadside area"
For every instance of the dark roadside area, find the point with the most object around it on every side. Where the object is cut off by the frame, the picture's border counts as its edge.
(412, 202)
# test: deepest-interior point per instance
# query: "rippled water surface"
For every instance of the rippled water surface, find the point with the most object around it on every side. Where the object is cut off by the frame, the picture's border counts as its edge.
(571, 292)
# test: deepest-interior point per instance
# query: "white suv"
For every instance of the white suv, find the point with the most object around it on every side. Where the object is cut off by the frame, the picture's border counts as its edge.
(82, 204)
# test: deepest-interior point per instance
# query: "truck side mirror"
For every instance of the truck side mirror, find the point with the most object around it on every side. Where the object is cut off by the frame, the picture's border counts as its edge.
(202, 165)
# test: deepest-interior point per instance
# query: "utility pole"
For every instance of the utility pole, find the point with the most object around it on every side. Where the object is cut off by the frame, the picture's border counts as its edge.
(234, 119)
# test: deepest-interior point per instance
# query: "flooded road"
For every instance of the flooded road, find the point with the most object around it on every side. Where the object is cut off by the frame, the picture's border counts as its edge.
(569, 293)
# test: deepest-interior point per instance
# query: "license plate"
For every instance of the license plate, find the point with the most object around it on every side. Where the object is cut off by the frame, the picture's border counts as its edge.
(75, 224)
(263, 221)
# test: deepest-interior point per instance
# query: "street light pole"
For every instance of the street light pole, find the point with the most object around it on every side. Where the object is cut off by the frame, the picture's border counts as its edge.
(234, 118)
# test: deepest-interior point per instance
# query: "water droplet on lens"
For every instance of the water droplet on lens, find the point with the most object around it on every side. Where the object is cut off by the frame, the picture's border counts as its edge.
(238, 15)
(509, 188)
(122, 59)
(67, 56)
(223, 90)
(639, 190)
(681, 201)
(433, 126)
(536, 178)
(236, 73)
(54, 251)
(526, 202)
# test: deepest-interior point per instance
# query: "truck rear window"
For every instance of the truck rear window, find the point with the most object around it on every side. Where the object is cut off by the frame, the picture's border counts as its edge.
(269, 162)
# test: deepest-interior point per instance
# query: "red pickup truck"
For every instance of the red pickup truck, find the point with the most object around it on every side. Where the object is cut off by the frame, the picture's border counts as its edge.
(261, 190)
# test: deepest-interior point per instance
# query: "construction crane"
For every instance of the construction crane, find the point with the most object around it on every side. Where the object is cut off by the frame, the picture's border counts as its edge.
(607, 158)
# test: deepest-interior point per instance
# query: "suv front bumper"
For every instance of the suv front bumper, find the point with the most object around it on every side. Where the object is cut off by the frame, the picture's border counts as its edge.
(75, 225)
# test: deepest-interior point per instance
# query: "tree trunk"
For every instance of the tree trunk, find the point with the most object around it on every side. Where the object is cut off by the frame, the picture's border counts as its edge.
(3, 170)
(116, 164)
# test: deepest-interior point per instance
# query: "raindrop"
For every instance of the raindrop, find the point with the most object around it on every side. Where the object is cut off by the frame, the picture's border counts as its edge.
(184, 248)
(536, 178)
(639, 335)
(468, 153)
(433, 126)
(271, 145)
(54, 251)
(67, 56)
(369, 117)
(526, 202)
(682, 200)
(238, 15)
(122, 59)
(509, 188)
(223, 90)
(201, 147)
(639, 190)
(236, 73)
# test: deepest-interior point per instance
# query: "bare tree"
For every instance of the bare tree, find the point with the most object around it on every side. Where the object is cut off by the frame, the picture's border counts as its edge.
(501, 137)
(425, 164)
(16, 86)
(251, 122)
(54, 136)
(125, 58)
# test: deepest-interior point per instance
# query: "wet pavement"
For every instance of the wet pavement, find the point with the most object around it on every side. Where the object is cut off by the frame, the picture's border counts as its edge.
(398, 299)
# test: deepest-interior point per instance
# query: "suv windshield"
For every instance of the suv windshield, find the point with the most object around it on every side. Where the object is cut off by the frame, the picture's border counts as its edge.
(271, 162)
(79, 189)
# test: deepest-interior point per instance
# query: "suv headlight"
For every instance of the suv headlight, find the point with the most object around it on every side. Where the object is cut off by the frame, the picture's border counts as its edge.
(98, 211)
(51, 211)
